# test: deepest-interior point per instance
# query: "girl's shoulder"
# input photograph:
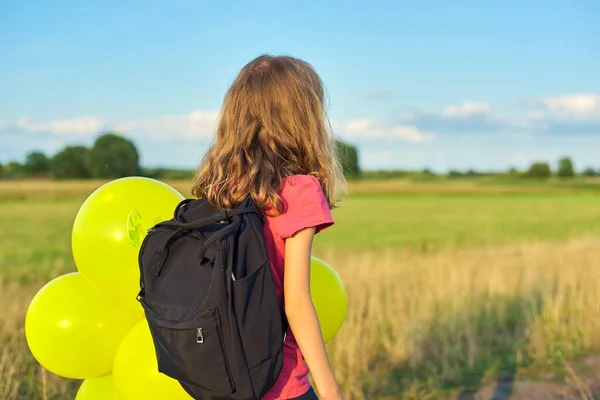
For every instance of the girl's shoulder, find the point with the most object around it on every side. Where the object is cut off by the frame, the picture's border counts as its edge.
(301, 189)
(304, 205)
(300, 178)
(293, 182)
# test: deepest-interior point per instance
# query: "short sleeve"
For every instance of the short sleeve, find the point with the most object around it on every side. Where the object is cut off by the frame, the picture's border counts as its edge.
(305, 207)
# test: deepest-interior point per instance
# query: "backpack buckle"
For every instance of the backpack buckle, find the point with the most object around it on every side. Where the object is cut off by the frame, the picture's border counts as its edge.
(199, 336)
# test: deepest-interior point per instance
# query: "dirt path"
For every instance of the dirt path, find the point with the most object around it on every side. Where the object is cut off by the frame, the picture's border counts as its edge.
(582, 383)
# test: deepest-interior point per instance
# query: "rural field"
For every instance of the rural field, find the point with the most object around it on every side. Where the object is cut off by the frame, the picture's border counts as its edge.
(455, 287)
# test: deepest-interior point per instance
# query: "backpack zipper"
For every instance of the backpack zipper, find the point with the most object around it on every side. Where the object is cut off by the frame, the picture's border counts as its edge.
(142, 291)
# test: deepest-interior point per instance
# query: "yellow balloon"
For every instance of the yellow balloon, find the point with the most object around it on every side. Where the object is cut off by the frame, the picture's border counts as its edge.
(329, 297)
(102, 388)
(73, 330)
(109, 229)
(135, 370)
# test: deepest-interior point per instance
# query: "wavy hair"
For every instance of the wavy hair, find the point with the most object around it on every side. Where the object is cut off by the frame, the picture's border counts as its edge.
(272, 124)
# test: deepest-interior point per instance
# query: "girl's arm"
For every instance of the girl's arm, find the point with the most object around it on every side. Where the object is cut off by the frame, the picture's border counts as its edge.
(301, 313)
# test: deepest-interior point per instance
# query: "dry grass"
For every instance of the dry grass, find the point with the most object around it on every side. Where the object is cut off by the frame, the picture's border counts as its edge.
(21, 378)
(419, 325)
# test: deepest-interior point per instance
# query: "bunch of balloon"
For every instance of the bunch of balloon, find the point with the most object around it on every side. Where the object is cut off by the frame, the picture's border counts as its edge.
(88, 325)
(76, 323)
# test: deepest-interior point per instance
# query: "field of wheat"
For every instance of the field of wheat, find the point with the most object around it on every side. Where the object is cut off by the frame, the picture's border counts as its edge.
(451, 288)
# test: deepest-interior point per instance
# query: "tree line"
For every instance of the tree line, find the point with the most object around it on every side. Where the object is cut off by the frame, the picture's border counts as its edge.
(542, 169)
(563, 169)
(111, 156)
(114, 156)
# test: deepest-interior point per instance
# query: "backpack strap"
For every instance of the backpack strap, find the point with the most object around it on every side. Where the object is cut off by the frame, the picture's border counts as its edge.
(182, 203)
(220, 216)
(161, 255)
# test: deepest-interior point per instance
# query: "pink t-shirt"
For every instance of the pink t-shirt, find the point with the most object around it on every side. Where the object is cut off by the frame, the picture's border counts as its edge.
(305, 206)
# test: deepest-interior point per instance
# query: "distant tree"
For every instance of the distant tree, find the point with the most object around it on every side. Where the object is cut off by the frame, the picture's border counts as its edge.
(14, 170)
(590, 172)
(423, 175)
(70, 163)
(348, 156)
(513, 172)
(113, 156)
(565, 168)
(472, 173)
(454, 174)
(167, 174)
(36, 163)
(384, 174)
(539, 170)
(1, 171)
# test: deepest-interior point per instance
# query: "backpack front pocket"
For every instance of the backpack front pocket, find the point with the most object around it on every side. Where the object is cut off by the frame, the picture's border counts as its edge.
(261, 331)
(193, 351)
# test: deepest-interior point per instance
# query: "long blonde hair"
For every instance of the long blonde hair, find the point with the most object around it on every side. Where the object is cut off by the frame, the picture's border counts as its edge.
(272, 125)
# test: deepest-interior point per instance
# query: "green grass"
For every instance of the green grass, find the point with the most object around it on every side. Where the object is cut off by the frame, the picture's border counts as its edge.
(37, 233)
(430, 221)
(36, 239)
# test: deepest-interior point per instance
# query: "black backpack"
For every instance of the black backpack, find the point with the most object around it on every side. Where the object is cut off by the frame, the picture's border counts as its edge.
(208, 295)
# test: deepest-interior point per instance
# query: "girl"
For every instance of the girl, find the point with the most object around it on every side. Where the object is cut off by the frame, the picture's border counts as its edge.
(272, 142)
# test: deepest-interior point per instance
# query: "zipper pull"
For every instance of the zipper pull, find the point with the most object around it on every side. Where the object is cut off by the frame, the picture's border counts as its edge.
(141, 293)
(199, 336)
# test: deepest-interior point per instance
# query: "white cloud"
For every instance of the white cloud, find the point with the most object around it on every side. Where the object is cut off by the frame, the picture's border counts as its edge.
(466, 109)
(412, 134)
(575, 105)
(470, 117)
(196, 125)
(77, 126)
(573, 114)
(369, 129)
(359, 126)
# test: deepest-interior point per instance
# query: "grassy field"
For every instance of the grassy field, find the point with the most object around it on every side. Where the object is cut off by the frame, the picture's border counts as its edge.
(452, 285)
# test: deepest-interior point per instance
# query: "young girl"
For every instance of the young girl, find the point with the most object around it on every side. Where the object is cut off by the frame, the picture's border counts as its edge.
(273, 143)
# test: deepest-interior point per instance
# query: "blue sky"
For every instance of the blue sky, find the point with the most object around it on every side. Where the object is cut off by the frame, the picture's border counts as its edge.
(437, 84)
